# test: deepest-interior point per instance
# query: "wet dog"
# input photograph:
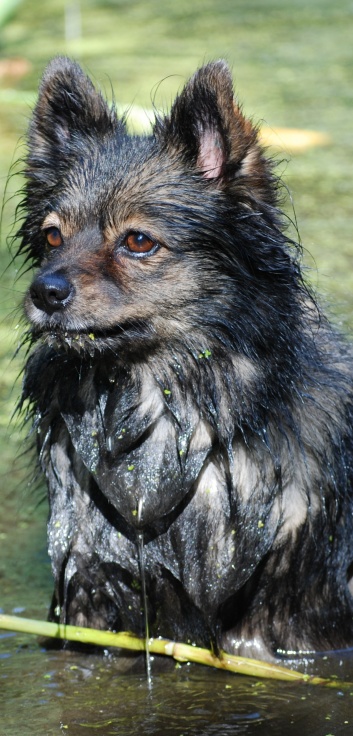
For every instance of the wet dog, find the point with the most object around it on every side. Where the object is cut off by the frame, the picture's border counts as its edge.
(183, 384)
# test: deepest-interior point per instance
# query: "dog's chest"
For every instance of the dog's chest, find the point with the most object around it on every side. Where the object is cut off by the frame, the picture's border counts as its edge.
(143, 458)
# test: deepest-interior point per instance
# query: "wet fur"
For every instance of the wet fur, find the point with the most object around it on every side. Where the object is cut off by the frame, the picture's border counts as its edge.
(195, 394)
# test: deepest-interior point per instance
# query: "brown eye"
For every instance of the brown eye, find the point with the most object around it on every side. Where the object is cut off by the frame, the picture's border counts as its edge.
(139, 243)
(53, 236)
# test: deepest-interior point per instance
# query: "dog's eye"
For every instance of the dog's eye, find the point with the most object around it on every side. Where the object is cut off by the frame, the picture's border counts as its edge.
(53, 236)
(139, 243)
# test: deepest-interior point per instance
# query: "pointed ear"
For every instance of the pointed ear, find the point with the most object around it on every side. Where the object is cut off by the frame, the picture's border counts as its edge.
(207, 128)
(68, 108)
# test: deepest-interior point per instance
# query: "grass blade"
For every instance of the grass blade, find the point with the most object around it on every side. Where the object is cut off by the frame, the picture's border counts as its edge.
(180, 652)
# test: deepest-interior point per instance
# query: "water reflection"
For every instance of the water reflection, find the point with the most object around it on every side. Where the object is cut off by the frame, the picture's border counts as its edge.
(63, 692)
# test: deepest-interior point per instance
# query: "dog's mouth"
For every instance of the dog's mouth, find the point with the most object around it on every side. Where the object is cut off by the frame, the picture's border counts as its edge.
(89, 341)
(93, 340)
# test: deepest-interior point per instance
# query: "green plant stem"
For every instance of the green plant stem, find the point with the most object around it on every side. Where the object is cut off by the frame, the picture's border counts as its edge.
(180, 652)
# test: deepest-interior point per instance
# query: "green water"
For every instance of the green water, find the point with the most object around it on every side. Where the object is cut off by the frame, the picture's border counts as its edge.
(53, 693)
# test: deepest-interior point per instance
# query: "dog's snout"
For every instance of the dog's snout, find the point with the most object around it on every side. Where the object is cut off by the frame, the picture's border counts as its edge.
(51, 292)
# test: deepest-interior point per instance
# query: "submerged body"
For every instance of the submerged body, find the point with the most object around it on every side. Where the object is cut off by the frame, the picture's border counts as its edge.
(184, 385)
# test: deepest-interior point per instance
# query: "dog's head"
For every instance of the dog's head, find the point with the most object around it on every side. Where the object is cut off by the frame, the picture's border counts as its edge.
(150, 238)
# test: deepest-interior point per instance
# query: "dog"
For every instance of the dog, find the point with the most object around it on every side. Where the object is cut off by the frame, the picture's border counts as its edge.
(183, 384)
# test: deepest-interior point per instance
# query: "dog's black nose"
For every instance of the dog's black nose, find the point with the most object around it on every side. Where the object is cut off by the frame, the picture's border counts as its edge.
(51, 292)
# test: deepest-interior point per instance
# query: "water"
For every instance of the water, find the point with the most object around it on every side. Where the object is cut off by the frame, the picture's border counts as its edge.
(144, 601)
(45, 693)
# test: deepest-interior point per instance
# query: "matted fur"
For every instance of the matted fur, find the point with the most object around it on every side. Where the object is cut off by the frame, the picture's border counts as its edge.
(192, 391)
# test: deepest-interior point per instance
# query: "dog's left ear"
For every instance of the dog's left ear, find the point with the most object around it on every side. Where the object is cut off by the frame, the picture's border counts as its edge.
(207, 128)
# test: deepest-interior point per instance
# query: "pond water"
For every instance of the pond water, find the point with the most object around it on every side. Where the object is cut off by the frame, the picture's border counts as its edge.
(47, 693)
(44, 692)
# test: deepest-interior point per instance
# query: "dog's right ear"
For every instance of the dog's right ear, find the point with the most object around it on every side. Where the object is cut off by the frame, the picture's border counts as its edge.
(69, 109)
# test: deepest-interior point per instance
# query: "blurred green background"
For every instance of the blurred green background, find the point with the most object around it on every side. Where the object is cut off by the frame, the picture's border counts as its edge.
(293, 68)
